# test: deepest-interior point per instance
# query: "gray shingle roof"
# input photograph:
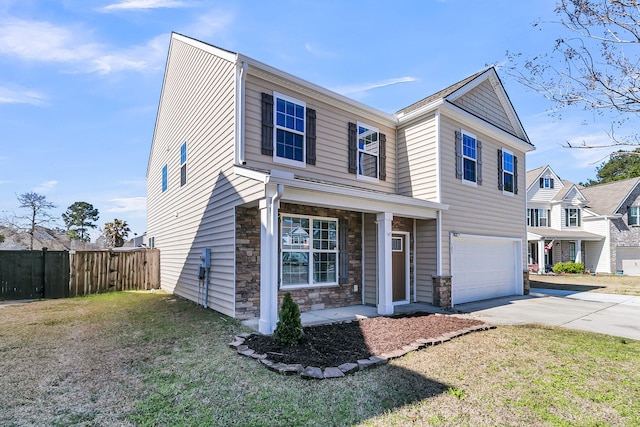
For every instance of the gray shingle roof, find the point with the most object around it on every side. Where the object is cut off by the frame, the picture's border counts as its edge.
(604, 199)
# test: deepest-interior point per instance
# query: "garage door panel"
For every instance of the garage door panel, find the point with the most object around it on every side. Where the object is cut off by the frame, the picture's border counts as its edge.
(483, 269)
(628, 260)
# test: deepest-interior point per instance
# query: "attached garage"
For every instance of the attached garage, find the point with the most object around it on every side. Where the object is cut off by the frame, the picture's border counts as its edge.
(485, 267)
(628, 260)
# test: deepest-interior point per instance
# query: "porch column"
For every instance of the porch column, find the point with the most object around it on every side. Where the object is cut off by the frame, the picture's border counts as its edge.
(385, 277)
(578, 251)
(541, 263)
(269, 207)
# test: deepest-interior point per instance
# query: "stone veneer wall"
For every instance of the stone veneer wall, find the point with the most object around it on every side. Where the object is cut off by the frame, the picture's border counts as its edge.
(442, 291)
(248, 263)
(526, 284)
(621, 233)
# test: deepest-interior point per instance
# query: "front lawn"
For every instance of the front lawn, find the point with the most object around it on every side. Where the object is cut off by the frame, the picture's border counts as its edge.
(600, 283)
(141, 358)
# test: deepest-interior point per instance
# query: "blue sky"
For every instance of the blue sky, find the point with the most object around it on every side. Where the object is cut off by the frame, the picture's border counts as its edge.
(80, 80)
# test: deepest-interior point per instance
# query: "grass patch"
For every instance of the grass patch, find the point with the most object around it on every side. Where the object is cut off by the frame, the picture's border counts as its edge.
(152, 359)
(601, 283)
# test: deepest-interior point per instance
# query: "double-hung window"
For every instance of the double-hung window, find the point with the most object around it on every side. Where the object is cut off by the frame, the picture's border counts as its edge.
(469, 157)
(183, 163)
(368, 151)
(633, 215)
(537, 217)
(289, 130)
(546, 182)
(572, 217)
(508, 171)
(309, 251)
(164, 178)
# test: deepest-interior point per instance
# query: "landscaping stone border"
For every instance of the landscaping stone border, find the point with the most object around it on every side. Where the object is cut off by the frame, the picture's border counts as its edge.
(314, 372)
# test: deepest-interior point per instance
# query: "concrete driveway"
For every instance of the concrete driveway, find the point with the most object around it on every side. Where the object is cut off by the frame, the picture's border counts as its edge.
(617, 315)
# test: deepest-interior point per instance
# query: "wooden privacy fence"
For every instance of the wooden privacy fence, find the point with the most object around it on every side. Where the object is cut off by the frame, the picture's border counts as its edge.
(94, 272)
(60, 274)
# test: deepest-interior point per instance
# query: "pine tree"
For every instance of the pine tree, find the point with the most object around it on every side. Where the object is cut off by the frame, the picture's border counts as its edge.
(289, 328)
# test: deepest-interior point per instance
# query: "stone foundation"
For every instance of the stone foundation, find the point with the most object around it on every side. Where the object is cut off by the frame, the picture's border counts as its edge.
(526, 284)
(442, 291)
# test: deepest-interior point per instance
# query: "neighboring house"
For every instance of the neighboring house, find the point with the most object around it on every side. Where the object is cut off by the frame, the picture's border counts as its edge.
(295, 188)
(596, 225)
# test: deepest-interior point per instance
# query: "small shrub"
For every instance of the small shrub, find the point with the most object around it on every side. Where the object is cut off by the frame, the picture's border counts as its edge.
(558, 268)
(289, 328)
(569, 267)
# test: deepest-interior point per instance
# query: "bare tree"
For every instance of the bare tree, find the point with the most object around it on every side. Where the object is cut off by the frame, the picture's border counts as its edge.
(596, 68)
(38, 207)
(116, 232)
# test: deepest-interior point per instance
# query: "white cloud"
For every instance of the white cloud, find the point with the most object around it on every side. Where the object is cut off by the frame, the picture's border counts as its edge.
(46, 42)
(46, 186)
(210, 24)
(128, 204)
(360, 89)
(144, 4)
(20, 96)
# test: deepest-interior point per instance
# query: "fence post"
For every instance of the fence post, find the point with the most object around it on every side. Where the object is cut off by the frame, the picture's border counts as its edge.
(44, 272)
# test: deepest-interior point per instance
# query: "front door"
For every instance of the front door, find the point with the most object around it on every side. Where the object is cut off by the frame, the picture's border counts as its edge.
(399, 267)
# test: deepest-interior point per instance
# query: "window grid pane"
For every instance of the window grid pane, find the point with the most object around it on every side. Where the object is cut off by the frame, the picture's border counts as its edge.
(164, 178)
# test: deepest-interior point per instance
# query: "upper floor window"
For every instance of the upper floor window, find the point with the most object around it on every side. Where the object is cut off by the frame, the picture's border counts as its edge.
(633, 215)
(368, 150)
(538, 218)
(309, 251)
(469, 157)
(572, 217)
(183, 163)
(508, 171)
(289, 130)
(546, 183)
(164, 178)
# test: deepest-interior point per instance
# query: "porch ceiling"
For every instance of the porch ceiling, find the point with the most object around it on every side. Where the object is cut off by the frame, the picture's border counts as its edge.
(538, 234)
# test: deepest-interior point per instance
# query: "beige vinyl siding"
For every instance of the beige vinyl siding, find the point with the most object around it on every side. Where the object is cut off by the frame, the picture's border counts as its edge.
(417, 159)
(481, 210)
(331, 138)
(482, 101)
(369, 243)
(197, 106)
(598, 254)
(426, 255)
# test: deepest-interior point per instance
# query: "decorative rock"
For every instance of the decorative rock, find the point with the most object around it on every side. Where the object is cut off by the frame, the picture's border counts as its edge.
(365, 364)
(312, 372)
(349, 368)
(423, 341)
(247, 352)
(409, 348)
(292, 369)
(236, 343)
(333, 373)
(242, 347)
(243, 335)
(378, 360)
(395, 354)
(258, 356)
(276, 367)
(266, 362)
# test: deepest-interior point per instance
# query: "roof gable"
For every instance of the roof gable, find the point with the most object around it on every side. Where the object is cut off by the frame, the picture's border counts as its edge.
(481, 95)
(607, 199)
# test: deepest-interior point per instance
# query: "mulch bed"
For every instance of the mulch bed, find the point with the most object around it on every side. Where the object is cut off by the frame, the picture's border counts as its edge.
(338, 343)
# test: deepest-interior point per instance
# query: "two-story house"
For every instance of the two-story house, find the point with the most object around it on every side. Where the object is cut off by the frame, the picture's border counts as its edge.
(291, 187)
(596, 225)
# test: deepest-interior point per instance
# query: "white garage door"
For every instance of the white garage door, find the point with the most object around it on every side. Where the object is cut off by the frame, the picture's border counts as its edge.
(484, 268)
(628, 260)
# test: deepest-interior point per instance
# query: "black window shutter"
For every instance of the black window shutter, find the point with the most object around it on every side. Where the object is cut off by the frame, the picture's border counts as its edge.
(515, 175)
(458, 154)
(479, 160)
(500, 171)
(541, 182)
(578, 223)
(353, 148)
(311, 136)
(383, 157)
(343, 235)
(551, 182)
(267, 124)
(629, 216)
(566, 217)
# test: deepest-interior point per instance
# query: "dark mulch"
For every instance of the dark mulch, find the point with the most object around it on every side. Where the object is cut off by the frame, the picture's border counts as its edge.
(338, 343)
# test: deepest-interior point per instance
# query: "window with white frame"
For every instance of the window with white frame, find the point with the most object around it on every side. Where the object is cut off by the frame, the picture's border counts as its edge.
(309, 251)
(164, 178)
(508, 172)
(633, 215)
(368, 151)
(183, 164)
(538, 217)
(469, 157)
(289, 130)
(546, 182)
(572, 217)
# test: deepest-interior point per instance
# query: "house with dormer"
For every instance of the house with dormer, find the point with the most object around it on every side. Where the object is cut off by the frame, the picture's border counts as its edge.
(595, 225)
(261, 183)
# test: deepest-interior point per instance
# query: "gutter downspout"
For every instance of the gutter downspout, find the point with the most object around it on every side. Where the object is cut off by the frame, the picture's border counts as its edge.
(240, 114)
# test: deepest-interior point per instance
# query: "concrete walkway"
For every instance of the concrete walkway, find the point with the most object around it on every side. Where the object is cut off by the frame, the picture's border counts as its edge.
(617, 315)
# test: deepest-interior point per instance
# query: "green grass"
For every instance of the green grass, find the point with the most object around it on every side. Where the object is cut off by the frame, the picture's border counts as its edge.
(151, 359)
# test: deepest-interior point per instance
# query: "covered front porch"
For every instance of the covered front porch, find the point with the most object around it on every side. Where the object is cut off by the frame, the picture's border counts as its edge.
(548, 247)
